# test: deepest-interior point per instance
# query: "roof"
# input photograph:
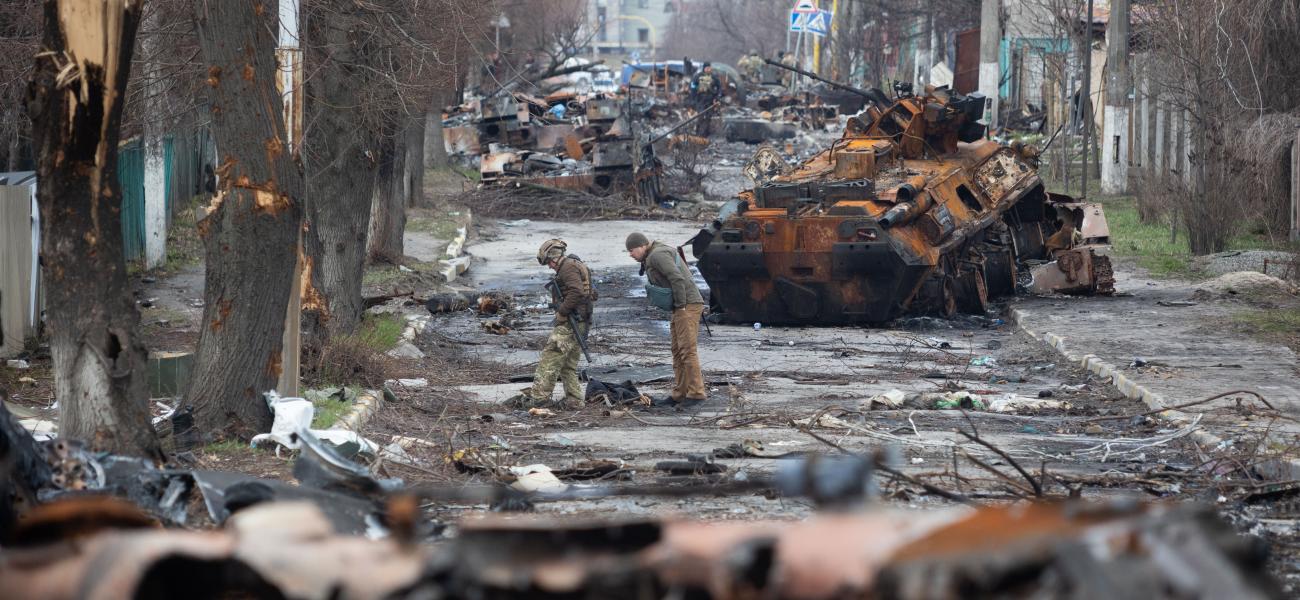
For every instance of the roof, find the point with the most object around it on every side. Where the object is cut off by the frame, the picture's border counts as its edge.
(18, 178)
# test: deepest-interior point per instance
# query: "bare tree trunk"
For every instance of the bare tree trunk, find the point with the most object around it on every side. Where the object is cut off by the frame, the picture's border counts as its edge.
(75, 102)
(388, 206)
(341, 170)
(414, 176)
(435, 149)
(250, 234)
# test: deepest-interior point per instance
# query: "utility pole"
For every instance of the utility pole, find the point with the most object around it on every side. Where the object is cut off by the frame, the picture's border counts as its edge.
(1115, 131)
(1085, 99)
(289, 57)
(990, 41)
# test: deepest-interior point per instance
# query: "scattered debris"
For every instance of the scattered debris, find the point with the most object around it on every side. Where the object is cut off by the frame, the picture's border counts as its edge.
(410, 384)
(890, 399)
(537, 479)
(496, 327)
(610, 394)
(693, 465)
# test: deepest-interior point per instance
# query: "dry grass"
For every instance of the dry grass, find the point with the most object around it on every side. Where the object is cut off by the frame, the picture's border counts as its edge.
(356, 359)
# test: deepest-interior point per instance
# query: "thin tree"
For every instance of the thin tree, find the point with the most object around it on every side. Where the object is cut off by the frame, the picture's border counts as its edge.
(75, 102)
(340, 156)
(375, 69)
(250, 233)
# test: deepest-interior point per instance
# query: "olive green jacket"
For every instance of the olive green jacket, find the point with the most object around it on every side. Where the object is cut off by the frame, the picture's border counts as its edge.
(664, 268)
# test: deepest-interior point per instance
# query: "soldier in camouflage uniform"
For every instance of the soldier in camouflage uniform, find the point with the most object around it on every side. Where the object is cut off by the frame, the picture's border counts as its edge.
(571, 295)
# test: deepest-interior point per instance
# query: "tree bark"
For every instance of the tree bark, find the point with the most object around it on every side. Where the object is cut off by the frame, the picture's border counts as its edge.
(339, 156)
(250, 235)
(414, 164)
(388, 206)
(435, 149)
(15, 142)
(75, 103)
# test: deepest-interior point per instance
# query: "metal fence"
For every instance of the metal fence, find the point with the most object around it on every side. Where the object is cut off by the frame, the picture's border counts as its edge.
(184, 155)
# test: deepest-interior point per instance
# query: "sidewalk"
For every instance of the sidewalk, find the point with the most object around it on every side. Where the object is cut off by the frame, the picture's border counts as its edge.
(1189, 352)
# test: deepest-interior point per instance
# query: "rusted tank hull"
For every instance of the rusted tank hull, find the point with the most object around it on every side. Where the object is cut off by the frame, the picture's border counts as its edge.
(856, 235)
(858, 281)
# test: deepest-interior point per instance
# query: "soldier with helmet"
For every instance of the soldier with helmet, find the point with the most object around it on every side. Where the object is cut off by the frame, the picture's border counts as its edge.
(751, 66)
(705, 86)
(572, 295)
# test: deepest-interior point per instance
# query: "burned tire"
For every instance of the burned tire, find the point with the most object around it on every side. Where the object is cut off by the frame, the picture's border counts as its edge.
(937, 297)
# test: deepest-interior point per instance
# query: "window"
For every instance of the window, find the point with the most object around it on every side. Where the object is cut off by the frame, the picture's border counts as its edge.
(643, 35)
(600, 20)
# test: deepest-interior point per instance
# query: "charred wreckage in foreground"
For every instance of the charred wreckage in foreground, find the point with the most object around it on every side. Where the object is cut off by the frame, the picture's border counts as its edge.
(79, 524)
(911, 211)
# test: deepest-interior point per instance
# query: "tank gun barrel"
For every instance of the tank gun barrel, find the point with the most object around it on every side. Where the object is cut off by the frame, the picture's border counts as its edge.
(677, 127)
(874, 95)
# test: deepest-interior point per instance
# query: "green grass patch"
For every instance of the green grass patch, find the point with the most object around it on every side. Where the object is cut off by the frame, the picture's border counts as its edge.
(184, 246)
(469, 173)
(1260, 241)
(158, 313)
(381, 332)
(443, 229)
(328, 412)
(228, 448)
(1273, 322)
(1151, 244)
(1277, 325)
(381, 275)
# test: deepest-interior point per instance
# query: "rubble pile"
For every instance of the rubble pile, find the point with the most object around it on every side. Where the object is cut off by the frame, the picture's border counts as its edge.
(606, 143)
(119, 528)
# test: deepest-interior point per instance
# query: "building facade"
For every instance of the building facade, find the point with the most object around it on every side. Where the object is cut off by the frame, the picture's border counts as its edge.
(630, 30)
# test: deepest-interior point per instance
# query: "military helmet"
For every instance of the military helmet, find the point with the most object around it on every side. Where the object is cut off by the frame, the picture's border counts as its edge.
(551, 249)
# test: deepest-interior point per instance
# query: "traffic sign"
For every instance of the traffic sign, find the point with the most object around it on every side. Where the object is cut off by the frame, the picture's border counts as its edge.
(798, 21)
(818, 23)
(805, 7)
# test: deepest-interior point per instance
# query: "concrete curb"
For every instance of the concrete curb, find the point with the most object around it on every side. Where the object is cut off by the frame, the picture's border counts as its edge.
(1288, 468)
(367, 404)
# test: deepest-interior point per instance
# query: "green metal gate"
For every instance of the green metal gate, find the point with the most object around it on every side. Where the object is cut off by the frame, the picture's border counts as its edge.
(182, 172)
(130, 175)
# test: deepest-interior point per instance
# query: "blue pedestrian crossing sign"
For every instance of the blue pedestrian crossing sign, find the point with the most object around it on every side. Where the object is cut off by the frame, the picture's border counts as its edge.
(818, 23)
(798, 21)
(805, 17)
(800, 14)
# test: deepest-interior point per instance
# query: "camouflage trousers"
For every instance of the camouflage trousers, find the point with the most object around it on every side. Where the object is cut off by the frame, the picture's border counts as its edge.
(559, 361)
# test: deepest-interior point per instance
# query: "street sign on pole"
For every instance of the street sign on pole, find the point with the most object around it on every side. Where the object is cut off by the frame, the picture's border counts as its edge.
(818, 23)
(798, 21)
(799, 16)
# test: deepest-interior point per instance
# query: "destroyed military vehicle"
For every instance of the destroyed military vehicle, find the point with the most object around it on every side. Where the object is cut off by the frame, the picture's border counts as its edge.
(911, 211)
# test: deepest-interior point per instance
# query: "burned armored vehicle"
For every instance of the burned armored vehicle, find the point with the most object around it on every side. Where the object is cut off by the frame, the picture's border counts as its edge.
(911, 211)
